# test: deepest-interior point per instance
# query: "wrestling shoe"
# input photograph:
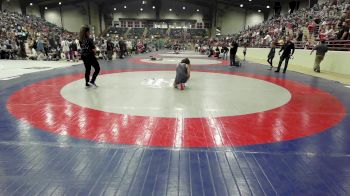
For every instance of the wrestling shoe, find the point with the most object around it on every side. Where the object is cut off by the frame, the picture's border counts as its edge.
(93, 84)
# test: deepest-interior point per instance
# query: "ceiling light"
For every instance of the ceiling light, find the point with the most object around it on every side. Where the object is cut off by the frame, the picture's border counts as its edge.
(115, 9)
(250, 0)
(268, 7)
(153, 7)
(259, 10)
(170, 9)
(30, 4)
(45, 8)
(183, 7)
(59, 3)
(143, 2)
(241, 5)
(141, 9)
(197, 10)
(124, 6)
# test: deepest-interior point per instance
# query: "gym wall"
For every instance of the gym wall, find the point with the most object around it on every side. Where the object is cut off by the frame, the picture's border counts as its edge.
(233, 19)
(74, 16)
(133, 11)
(33, 11)
(11, 6)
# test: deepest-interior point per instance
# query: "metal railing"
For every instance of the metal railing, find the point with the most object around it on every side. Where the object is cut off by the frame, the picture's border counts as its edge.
(336, 45)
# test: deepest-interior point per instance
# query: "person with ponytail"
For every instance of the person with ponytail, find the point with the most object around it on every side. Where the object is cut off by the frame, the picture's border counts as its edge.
(183, 73)
(88, 56)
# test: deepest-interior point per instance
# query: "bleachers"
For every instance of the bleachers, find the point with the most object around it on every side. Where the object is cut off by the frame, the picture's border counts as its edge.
(157, 32)
(176, 33)
(306, 26)
(136, 32)
(18, 32)
(120, 31)
(197, 32)
(336, 45)
(161, 32)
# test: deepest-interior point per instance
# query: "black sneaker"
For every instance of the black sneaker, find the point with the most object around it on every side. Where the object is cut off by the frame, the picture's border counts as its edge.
(277, 71)
(87, 85)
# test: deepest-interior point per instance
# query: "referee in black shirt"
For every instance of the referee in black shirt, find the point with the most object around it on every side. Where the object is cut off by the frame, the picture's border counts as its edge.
(288, 51)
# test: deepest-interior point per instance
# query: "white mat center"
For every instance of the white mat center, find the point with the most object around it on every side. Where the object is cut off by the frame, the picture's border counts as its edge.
(150, 93)
(176, 61)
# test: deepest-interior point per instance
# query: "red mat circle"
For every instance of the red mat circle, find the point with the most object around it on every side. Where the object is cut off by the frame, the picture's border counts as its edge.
(310, 111)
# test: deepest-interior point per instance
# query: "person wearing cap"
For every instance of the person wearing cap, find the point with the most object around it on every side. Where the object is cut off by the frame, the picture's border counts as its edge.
(321, 50)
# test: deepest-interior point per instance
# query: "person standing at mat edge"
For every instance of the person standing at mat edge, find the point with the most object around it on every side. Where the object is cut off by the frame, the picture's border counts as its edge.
(271, 55)
(88, 56)
(321, 51)
(288, 51)
(244, 51)
(233, 52)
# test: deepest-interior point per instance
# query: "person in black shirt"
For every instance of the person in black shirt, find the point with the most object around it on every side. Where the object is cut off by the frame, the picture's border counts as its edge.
(225, 48)
(211, 51)
(233, 51)
(344, 32)
(73, 50)
(122, 48)
(88, 56)
(288, 51)
(110, 48)
(217, 52)
(300, 36)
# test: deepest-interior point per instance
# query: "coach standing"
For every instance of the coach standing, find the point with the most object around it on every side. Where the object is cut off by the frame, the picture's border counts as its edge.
(288, 51)
(321, 51)
(233, 52)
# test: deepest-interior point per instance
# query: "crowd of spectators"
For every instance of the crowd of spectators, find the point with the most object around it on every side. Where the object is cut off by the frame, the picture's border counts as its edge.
(176, 33)
(156, 32)
(324, 21)
(32, 37)
(136, 33)
(25, 37)
(197, 32)
(120, 31)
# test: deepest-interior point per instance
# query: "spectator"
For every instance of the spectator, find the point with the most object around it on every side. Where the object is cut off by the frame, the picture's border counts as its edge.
(65, 48)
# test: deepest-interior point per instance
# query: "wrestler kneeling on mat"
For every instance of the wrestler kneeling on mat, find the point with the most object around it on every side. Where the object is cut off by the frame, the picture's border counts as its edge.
(155, 58)
(183, 72)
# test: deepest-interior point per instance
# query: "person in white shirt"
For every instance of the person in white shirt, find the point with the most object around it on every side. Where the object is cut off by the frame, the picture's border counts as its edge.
(196, 47)
(65, 48)
(267, 39)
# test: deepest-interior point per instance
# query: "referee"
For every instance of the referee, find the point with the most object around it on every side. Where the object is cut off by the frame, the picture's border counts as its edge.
(288, 50)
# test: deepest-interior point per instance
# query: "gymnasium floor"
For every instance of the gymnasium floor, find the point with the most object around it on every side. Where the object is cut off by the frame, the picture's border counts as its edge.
(232, 131)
